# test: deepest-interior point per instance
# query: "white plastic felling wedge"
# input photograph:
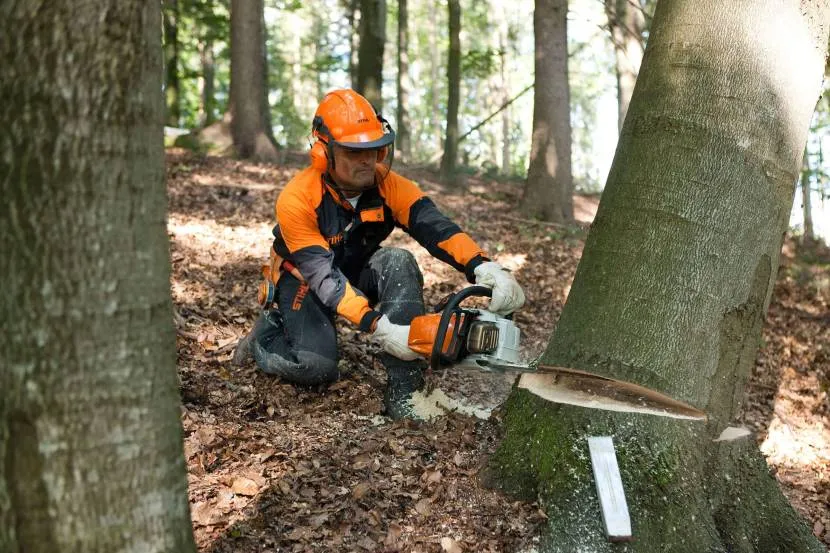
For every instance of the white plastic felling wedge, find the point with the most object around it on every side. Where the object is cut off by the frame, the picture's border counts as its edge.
(610, 489)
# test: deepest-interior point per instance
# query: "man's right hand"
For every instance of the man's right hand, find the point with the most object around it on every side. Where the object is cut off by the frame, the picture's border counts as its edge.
(394, 339)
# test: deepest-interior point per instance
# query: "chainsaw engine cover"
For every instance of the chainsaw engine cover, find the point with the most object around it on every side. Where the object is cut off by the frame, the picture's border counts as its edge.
(490, 340)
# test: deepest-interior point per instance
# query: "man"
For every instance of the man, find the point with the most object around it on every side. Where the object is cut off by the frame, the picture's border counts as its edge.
(326, 259)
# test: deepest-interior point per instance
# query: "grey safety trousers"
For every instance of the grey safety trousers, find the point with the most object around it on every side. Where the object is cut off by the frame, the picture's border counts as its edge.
(297, 340)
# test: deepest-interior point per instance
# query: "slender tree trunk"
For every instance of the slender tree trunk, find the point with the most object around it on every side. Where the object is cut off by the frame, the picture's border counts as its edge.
(807, 201)
(673, 286)
(449, 159)
(353, 16)
(91, 455)
(548, 193)
(250, 127)
(208, 82)
(505, 97)
(626, 23)
(435, 62)
(171, 61)
(370, 54)
(402, 144)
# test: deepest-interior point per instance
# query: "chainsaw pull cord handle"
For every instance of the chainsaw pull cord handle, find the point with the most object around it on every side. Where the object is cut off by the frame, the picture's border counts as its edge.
(450, 305)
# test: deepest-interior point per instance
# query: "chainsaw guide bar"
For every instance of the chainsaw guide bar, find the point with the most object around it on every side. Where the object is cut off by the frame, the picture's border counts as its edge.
(478, 339)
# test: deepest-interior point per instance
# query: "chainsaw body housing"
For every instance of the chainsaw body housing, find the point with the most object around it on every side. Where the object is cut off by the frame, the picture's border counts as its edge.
(490, 340)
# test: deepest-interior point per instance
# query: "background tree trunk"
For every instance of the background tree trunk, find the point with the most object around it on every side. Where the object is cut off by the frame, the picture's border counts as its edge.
(449, 159)
(171, 61)
(370, 53)
(91, 455)
(208, 83)
(434, 64)
(673, 286)
(504, 40)
(806, 201)
(548, 193)
(402, 145)
(352, 15)
(250, 127)
(626, 23)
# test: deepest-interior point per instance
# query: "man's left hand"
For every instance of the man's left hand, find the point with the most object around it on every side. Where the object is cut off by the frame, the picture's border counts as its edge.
(507, 294)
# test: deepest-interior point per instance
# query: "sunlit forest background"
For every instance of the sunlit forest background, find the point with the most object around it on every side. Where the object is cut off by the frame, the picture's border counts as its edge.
(313, 46)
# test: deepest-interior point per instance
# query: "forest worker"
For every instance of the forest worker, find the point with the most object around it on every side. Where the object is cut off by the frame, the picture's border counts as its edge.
(327, 258)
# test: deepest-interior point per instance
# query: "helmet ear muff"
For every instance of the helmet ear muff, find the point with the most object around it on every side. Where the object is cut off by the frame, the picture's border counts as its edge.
(319, 156)
(319, 150)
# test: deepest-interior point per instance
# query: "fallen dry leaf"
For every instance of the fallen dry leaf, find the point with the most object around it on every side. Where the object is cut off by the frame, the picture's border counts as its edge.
(361, 490)
(451, 546)
(244, 486)
(424, 507)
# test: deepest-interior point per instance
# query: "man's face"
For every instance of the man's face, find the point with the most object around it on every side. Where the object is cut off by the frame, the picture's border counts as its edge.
(354, 170)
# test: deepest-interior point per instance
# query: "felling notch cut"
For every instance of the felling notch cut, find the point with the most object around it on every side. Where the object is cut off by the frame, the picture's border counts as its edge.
(610, 490)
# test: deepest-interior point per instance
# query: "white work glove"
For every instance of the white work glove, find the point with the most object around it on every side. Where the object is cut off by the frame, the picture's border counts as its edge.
(507, 294)
(394, 339)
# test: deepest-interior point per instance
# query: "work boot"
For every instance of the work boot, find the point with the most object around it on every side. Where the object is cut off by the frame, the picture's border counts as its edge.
(404, 379)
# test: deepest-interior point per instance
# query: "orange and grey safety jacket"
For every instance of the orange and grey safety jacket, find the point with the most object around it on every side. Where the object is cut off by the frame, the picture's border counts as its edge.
(330, 242)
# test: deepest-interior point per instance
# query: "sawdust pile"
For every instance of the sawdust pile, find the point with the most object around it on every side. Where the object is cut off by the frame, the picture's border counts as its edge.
(277, 468)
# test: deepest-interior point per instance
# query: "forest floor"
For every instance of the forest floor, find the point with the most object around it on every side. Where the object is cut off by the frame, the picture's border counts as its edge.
(273, 467)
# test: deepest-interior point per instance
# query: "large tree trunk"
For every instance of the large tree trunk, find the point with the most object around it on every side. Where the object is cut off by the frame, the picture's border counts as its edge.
(402, 144)
(171, 61)
(548, 193)
(448, 160)
(674, 283)
(91, 455)
(250, 118)
(370, 53)
(626, 23)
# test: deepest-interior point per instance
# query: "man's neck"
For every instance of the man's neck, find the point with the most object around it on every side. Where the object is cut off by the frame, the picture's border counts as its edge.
(348, 194)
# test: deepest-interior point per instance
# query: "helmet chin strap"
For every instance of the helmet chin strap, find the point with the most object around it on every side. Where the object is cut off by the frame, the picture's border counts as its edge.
(345, 189)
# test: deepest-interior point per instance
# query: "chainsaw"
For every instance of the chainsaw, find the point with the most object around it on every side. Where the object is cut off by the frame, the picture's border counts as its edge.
(471, 338)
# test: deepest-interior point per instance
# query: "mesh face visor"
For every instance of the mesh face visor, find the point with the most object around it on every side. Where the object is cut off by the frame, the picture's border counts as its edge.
(385, 142)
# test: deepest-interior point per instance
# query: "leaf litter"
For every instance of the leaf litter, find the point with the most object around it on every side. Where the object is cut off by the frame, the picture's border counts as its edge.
(274, 467)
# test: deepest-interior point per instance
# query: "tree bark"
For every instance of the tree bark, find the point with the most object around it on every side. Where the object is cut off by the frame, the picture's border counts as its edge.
(504, 39)
(402, 144)
(449, 159)
(548, 193)
(91, 455)
(250, 118)
(370, 53)
(626, 23)
(352, 13)
(171, 61)
(208, 83)
(806, 202)
(672, 289)
(434, 64)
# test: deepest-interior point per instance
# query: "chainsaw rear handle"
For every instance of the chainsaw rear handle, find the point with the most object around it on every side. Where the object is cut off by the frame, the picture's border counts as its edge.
(449, 306)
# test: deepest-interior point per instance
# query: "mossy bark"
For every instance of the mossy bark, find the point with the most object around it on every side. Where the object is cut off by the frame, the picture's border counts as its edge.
(674, 283)
(91, 456)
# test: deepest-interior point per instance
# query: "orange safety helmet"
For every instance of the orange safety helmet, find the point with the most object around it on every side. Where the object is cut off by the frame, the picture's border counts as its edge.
(347, 119)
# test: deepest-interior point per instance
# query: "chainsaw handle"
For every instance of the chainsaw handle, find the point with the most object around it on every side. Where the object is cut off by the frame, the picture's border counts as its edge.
(450, 306)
